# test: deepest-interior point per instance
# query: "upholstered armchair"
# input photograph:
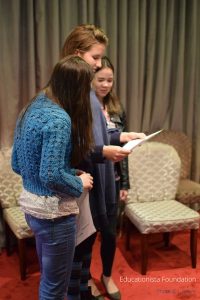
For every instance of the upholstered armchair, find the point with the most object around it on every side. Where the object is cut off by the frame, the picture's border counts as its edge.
(154, 170)
(13, 217)
(188, 191)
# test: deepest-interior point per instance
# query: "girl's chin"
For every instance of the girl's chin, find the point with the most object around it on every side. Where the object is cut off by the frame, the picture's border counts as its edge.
(103, 94)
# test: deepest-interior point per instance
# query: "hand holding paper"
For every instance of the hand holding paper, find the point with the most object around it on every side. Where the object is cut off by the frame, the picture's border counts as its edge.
(134, 143)
(129, 136)
(115, 153)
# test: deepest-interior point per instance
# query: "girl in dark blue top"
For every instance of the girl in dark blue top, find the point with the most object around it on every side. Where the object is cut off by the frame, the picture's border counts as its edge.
(89, 42)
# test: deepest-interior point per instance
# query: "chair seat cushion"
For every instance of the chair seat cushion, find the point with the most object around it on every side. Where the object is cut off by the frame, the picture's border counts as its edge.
(162, 216)
(15, 218)
(188, 191)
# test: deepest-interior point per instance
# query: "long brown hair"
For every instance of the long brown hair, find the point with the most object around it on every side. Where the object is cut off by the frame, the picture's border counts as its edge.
(69, 87)
(82, 38)
(110, 100)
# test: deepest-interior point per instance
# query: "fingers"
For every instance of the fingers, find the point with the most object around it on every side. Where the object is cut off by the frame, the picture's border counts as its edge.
(90, 181)
(124, 152)
(141, 135)
(123, 195)
(121, 154)
(87, 180)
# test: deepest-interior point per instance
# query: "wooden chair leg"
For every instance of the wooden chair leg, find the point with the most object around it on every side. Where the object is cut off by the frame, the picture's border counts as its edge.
(127, 226)
(121, 225)
(121, 218)
(166, 238)
(8, 234)
(193, 247)
(22, 257)
(144, 253)
(2, 230)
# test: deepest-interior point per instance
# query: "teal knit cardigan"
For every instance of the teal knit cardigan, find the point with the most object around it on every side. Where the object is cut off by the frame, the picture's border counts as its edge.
(42, 149)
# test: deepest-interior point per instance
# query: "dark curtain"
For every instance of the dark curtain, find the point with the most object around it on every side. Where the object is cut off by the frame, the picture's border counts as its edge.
(153, 44)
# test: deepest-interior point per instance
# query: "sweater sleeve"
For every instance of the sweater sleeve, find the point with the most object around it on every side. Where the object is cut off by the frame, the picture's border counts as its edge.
(55, 172)
(114, 137)
(14, 160)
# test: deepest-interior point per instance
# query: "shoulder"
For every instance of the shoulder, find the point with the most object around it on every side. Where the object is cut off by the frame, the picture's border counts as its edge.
(58, 121)
(50, 113)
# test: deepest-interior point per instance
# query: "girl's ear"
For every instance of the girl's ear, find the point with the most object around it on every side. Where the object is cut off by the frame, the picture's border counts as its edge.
(77, 52)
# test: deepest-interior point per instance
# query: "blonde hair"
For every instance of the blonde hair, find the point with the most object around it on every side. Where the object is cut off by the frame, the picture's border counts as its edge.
(82, 38)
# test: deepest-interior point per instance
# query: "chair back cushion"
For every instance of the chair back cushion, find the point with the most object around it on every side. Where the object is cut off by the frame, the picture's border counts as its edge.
(10, 182)
(183, 146)
(154, 171)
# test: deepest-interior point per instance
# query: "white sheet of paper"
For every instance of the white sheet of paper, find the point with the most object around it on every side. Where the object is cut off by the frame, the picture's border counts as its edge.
(85, 225)
(134, 143)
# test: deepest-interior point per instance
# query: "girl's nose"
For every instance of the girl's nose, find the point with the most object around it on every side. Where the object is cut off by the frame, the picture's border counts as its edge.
(105, 83)
(98, 63)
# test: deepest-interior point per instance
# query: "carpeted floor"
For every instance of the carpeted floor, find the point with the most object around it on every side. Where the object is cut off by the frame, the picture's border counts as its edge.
(169, 275)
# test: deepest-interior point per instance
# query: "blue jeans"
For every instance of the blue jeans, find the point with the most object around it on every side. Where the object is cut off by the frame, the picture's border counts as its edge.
(55, 243)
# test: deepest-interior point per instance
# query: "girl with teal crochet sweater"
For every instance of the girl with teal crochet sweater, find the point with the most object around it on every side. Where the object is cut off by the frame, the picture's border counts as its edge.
(53, 134)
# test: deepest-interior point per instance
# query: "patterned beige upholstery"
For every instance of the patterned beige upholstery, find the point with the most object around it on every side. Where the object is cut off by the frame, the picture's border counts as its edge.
(15, 218)
(188, 191)
(10, 189)
(165, 216)
(10, 182)
(154, 171)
